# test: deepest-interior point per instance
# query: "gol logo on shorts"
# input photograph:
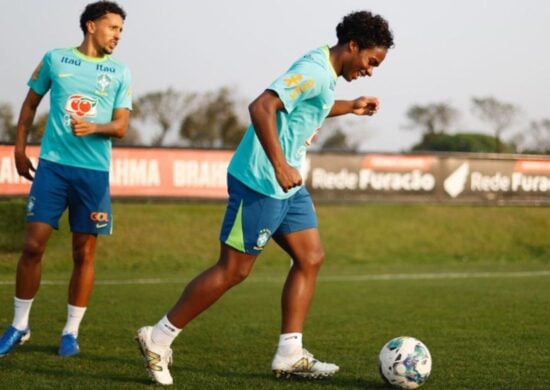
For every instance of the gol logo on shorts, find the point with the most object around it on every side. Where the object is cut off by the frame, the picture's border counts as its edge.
(98, 216)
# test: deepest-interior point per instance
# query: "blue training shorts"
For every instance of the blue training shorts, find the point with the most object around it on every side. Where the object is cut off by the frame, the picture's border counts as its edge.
(85, 192)
(252, 218)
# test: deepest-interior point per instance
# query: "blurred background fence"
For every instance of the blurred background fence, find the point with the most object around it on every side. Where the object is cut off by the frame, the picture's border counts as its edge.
(366, 177)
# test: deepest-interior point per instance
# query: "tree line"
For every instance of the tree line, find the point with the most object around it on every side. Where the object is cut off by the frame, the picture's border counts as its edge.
(438, 124)
(218, 119)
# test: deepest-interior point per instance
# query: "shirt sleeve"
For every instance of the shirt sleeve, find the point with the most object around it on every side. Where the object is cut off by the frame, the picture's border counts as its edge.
(124, 93)
(40, 81)
(299, 83)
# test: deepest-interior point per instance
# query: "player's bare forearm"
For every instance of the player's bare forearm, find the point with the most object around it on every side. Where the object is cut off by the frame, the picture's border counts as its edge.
(116, 128)
(341, 107)
(26, 117)
(364, 105)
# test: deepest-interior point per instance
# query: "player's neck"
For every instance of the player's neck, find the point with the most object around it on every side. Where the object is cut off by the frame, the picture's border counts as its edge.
(89, 49)
(335, 54)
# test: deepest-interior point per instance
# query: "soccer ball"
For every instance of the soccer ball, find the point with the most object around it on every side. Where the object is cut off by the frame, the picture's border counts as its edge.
(405, 362)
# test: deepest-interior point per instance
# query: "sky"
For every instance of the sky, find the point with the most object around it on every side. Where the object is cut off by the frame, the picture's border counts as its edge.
(445, 51)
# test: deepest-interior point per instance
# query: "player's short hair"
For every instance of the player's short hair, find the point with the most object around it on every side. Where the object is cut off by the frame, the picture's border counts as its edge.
(366, 29)
(94, 11)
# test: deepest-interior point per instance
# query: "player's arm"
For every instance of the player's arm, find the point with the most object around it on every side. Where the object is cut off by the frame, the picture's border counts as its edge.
(26, 117)
(364, 105)
(116, 128)
(263, 113)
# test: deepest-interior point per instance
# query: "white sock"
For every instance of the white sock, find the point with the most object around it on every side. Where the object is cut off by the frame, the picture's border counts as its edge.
(74, 316)
(289, 344)
(21, 312)
(164, 332)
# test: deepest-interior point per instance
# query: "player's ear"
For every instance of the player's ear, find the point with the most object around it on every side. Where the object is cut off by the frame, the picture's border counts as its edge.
(353, 47)
(90, 26)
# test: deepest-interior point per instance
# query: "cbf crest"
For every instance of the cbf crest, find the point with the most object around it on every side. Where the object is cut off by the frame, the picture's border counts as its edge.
(30, 205)
(263, 238)
(103, 83)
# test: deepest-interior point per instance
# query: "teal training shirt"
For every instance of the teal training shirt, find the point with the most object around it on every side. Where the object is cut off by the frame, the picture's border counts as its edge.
(307, 92)
(87, 87)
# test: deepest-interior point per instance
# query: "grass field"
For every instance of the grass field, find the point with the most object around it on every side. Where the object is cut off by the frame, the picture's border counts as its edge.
(473, 283)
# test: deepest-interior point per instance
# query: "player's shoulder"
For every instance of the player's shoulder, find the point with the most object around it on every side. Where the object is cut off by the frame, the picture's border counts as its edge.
(52, 53)
(317, 56)
(315, 63)
(56, 55)
(118, 63)
(117, 67)
(59, 52)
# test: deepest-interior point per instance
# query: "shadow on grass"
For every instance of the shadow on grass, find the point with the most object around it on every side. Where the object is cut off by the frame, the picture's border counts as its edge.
(97, 369)
(92, 370)
(39, 349)
(265, 377)
(71, 377)
(80, 371)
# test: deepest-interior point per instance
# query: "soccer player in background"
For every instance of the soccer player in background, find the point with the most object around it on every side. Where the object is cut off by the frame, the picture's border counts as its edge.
(90, 102)
(267, 197)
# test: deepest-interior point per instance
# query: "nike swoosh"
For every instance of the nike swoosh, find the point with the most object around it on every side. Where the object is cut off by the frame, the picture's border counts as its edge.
(63, 75)
(100, 225)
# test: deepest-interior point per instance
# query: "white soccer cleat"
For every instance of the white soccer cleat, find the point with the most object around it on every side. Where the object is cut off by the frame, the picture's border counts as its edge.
(157, 359)
(305, 366)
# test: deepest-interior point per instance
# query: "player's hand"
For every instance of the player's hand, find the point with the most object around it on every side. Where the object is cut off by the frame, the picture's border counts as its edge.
(366, 105)
(288, 177)
(24, 166)
(81, 127)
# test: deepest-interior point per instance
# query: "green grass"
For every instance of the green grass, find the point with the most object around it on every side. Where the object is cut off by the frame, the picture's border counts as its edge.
(483, 332)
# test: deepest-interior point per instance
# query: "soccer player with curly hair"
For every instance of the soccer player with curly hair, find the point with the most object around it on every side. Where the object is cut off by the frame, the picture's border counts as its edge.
(267, 198)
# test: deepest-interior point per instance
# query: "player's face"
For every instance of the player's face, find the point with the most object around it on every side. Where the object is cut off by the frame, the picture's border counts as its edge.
(105, 32)
(362, 62)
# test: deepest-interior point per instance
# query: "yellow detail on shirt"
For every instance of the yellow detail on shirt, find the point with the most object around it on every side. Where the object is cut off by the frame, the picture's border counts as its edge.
(309, 84)
(293, 80)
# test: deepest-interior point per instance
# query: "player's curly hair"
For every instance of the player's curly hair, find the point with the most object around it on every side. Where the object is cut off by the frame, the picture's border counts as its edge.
(365, 28)
(94, 11)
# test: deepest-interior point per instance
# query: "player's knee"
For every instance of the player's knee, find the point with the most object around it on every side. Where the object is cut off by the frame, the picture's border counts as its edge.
(234, 273)
(83, 255)
(237, 275)
(318, 259)
(313, 260)
(234, 267)
(33, 250)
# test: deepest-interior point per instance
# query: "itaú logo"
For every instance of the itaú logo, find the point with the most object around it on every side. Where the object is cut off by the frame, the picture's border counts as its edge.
(98, 216)
(81, 105)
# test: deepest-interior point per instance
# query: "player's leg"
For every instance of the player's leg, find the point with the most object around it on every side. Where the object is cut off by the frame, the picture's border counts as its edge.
(291, 358)
(306, 251)
(299, 237)
(205, 289)
(45, 205)
(248, 218)
(231, 269)
(83, 275)
(90, 214)
(27, 282)
(80, 289)
(29, 267)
